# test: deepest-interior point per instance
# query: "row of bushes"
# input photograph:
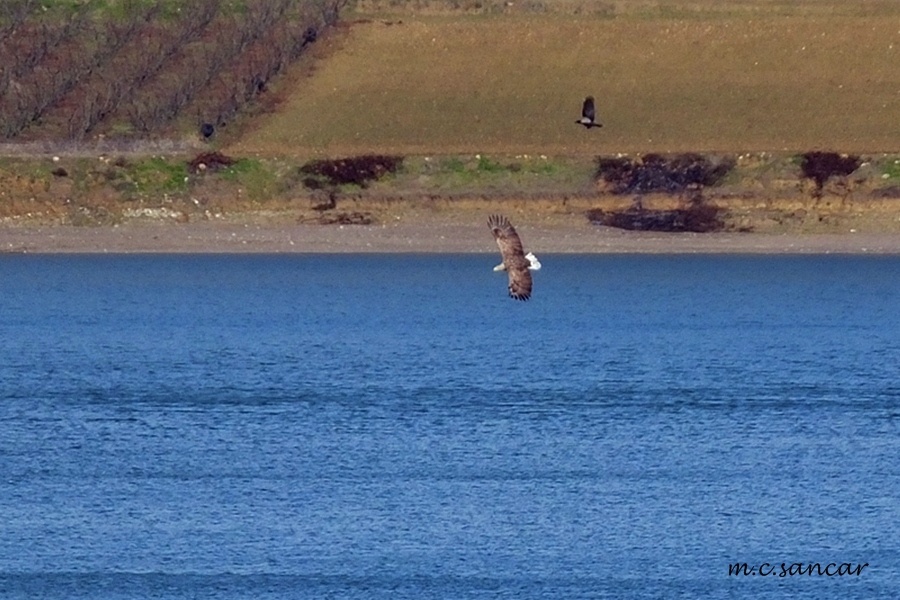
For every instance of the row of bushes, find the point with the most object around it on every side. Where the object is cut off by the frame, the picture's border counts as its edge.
(655, 173)
(650, 173)
(683, 174)
(690, 174)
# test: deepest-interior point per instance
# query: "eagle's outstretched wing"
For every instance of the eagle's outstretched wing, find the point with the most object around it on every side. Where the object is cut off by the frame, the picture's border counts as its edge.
(587, 109)
(514, 261)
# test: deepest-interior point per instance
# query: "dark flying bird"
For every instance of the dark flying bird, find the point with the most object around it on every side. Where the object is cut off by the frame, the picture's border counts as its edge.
(516, 263)
(588, 115)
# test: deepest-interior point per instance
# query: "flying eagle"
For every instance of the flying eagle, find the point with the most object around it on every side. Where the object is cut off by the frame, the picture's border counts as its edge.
(515, 262)
(588, 115)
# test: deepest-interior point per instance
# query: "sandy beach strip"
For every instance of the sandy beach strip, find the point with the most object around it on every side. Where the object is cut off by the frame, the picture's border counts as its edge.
(419, 237)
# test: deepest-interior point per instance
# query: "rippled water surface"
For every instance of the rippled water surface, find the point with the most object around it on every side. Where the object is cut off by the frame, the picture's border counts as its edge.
(396, 427)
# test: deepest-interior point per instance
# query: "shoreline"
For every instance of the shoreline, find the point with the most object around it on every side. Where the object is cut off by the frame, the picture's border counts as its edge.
(438, 236)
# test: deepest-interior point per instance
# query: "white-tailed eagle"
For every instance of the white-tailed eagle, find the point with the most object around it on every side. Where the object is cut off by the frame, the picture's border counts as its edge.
(588, 114)
(516, 263)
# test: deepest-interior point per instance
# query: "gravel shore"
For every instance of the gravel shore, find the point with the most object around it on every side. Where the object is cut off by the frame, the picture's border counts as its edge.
(428, 236)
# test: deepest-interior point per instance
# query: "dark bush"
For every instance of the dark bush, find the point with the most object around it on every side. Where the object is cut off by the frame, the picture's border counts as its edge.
(212, 161)
(313, 183)
(698, 218)
(351, 218)
(891, 191)
(358, 170)
(821, 166)
(655, 173)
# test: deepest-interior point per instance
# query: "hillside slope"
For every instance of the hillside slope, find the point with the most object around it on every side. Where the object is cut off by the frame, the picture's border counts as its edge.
(512, 84)
(477, 113)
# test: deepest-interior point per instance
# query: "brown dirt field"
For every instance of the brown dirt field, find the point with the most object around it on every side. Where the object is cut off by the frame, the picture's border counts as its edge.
(514, 84)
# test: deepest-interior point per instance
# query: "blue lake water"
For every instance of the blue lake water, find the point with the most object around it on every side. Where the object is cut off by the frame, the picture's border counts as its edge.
(395, 427)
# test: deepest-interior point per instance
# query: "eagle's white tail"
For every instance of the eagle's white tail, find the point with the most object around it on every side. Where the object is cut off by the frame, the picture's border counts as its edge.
(535, 263)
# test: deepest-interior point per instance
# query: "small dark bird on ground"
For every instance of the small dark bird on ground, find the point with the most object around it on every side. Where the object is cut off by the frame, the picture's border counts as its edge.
(588, 115)
(206, 130)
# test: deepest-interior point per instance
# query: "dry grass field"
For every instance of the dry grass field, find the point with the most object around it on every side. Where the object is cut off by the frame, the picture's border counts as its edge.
(702, 76)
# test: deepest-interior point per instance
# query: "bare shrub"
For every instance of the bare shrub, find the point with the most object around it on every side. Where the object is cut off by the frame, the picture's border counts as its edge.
(32, 42)
(210, 161)
(343, 218)
(226, 57)
(358, 170)
(330, 10)
(13, 13)
(891, 191)
(169, 94)
(254, 67)
(75, 68)
(822, 166)
(120, 78)
(655, 173)
(60, 71)
(697, 217)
